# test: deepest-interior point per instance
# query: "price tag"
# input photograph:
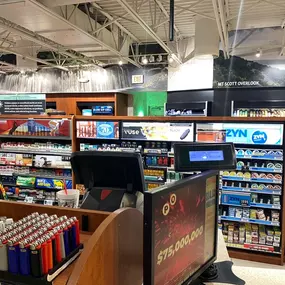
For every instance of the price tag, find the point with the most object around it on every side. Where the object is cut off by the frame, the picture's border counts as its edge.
(48, 202)
(29, 200)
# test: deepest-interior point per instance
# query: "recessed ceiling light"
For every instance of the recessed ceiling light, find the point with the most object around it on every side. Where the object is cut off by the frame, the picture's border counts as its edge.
(258, 54)
(120, 62)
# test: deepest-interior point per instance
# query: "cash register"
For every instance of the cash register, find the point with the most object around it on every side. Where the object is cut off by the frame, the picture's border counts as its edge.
(113, 180)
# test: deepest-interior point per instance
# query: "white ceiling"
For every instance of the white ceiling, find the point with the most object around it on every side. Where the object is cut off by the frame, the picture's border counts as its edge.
(62, 27)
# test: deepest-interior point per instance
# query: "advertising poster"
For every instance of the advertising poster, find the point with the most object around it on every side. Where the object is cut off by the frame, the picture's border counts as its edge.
(150, 131)
(210, 133)
(210, 214)
(179, 234)
(260, 134)
(97, 130)
(22, 104)
(249, 67)
(35, 127)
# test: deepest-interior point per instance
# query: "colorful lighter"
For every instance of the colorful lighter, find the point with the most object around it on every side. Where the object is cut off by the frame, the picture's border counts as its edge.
(58, 246)
(77, 231)
(36, 260)
(24, 258)
(66, 239)
(13, 256)
(63, 255)
(3, 255)
(45, 257)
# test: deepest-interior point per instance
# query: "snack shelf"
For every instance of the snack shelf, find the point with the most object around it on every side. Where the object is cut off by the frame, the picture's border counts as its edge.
(35, 152)
(253, 247)
(260, 169)
(251, 190)
(261, 180)
(255, 205)
(262, 157)
(247, 220)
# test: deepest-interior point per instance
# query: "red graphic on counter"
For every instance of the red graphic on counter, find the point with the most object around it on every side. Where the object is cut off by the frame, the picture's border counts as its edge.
(35, 127)
(179, 234)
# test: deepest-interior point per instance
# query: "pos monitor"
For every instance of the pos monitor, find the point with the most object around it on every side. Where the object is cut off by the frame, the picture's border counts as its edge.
(181, 219)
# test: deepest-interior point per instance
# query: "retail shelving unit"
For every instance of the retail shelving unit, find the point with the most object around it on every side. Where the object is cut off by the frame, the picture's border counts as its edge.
(34, 157)
(251, 197)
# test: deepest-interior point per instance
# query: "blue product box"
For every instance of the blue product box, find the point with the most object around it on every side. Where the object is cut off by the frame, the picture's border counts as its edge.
(105, 130)
(236, 199)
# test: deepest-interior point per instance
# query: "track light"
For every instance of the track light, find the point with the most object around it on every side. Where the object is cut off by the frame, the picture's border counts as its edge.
(144, 60)
(151, 58)
(170, 58)
(159, 58)
(258, 54)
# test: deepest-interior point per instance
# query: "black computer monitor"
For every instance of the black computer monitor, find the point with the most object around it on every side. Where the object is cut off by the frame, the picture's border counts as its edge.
(180, 230)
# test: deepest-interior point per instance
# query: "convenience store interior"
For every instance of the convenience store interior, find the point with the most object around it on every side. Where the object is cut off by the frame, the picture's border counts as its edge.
(139, 76)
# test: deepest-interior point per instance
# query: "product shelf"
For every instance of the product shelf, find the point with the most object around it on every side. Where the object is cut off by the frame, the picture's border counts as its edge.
(253, 247)
(255, 205)
(247, 220)
(251, 190)
(261, 157)
(260, 180)
(260, 169)
(35, 152)
(43, 176)
(36, 137)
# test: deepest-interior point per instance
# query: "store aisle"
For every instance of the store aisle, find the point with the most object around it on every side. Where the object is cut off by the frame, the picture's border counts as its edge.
(254, 273)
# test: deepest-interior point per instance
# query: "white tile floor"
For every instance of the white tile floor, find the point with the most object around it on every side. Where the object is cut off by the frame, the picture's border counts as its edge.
(254, 273)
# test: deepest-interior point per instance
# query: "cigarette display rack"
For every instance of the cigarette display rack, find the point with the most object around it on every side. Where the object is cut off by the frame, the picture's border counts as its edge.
(34, 157)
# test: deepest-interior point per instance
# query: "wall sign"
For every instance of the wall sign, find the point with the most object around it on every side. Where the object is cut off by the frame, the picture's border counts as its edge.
(150, 131)
(22, 104)
(260, 134)
(97, 129)
(137, 79)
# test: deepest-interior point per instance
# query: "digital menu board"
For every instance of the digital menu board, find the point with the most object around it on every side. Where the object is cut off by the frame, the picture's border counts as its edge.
(152, 131)
(97, 129)
(180, 230)
(260, 134)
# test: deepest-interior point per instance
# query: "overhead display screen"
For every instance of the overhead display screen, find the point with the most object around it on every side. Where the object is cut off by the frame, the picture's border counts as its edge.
(182, 224)
(152, 131)
(259, 134)
(210, 155)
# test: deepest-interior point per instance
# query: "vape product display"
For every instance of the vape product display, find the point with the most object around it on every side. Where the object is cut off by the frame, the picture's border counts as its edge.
(35, 164)
(37, 244)
(262, 112)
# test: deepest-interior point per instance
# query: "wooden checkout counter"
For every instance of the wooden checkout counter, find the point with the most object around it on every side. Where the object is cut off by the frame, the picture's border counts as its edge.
(109, 244)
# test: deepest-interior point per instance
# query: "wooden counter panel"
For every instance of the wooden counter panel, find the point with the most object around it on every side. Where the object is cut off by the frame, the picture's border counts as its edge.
(17, 211)
(114, 253)
(64, 276)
